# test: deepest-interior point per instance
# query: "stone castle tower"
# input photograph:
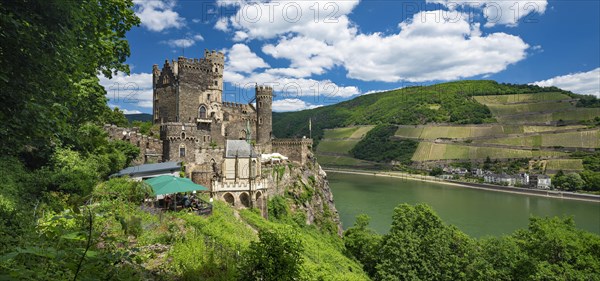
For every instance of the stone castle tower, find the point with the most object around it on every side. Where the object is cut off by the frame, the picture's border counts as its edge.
(220, 142)
(188, 104)
(264, 102)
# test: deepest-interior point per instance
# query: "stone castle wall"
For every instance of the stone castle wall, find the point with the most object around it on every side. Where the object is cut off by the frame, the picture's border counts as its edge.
(151, 149)
(298, 150)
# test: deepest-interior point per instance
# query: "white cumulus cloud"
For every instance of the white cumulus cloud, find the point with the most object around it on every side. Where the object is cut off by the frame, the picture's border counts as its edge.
(241, 59)
(134, 89)
(184, 42)
(325, 20)
(585, 83)
(502, 12)
(292, 105)
(429, 46)
(430, 50)
(158, 15)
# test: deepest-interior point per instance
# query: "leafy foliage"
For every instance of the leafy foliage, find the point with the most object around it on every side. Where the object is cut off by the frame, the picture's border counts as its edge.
(277, 256)
(378, 146)
(420, 247)
(363, 243)
(51, 52)
(569, 182)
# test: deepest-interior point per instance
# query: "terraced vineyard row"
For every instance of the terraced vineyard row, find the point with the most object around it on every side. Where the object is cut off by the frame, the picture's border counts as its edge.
(564, 164)
(355, 132)
(428, 151)
(504, 99)
(463, 132)
(572, 115)
(585, 139)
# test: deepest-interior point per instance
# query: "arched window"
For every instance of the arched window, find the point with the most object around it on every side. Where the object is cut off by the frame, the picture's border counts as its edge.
(182, 136)
(202, 111)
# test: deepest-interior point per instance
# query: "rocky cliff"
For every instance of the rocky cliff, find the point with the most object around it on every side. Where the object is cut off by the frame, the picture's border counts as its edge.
(306, 190)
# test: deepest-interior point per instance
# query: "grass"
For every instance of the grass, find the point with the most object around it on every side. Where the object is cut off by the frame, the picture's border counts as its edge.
(585, 139)
(503, 99)
(470, 131)
(339, 133)
(540, 129)
(355, 132)
(192, 259)
(336, 146)
(327, 160)
(564, 164)
(511, 109)
(427, 151)
(578, 114)
(434, 132)
(341, 141)
(323, 255)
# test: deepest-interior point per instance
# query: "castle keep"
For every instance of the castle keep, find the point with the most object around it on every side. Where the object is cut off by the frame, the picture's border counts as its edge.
(219, 142)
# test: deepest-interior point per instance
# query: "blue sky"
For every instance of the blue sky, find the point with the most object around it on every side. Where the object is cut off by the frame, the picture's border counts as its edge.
(317, 53)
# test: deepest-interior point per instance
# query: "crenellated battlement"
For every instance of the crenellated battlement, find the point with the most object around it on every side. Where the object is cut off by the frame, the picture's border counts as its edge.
(214, 56)
(263, 90)
(292, 141)
(298, 150)
(234, 105)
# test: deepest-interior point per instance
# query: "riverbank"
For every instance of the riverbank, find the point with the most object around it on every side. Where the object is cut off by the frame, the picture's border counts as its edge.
(480, 186)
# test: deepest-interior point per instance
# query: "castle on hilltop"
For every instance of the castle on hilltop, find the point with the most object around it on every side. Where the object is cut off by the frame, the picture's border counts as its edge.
(220, 143)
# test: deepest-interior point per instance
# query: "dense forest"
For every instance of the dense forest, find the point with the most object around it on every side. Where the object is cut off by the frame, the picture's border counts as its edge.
(63, 218)
(378, 146)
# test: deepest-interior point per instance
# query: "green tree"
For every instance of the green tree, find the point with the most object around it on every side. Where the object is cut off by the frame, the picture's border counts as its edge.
(277, 256)
(558, 251)
(436, 171)
(499, 258)
(420, 247)
(51, 52)
(591, 179)
(379, 146)
(569, 182)
(115, 117)
(363, 243)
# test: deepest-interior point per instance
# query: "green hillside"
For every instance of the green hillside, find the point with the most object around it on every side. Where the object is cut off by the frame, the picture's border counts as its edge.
(451, 102)
(475, 119)
(143, 117)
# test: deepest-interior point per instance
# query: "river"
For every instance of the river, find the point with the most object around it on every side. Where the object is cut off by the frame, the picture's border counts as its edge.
(475, 212)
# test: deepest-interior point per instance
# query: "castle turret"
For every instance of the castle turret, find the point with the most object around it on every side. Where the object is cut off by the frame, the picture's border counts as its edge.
(216, 63)
(264, 101)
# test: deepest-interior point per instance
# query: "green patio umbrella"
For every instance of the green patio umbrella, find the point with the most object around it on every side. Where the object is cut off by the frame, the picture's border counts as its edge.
(171, 184)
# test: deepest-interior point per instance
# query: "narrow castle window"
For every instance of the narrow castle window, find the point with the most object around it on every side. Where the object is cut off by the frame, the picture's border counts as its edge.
(216, 83)
(182, 151)
(182, 136)
(202, 112)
